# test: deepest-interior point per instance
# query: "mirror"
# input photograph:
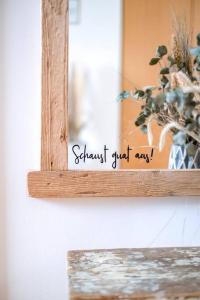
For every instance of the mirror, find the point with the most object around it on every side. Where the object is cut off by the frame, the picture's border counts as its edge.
(134, 85)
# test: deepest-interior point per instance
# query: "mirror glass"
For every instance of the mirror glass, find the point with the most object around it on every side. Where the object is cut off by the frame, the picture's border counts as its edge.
(134, 84)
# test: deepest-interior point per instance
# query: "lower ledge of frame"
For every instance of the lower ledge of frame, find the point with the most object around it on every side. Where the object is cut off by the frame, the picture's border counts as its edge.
(122, 183)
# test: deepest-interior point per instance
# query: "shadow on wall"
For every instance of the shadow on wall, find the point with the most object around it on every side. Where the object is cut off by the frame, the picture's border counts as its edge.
(2, 163)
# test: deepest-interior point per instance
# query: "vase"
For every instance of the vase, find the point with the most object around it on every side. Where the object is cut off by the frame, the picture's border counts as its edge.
(179, 158)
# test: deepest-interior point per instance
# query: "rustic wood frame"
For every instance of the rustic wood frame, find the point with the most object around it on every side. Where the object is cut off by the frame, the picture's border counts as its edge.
(54, 180)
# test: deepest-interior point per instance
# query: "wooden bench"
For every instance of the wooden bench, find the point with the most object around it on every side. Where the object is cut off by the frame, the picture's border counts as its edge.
(163, 273)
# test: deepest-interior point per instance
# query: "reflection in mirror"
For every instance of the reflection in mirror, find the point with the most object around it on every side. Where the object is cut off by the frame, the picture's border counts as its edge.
(134, 84)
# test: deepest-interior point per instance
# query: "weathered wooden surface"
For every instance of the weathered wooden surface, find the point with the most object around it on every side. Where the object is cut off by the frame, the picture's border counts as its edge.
(114, 183)
(165, 273)
(54, 85)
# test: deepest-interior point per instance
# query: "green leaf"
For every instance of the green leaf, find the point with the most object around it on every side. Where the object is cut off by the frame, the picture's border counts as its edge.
(171, 60)
(189, 108)
(197, 60)
(144, 128)
(191, 126)
(161, 51)
(164, 71)
(164, 81)
(150, 88)
(171, 97)
(139, 93)
(198, 39)
(149, 102)
(194, 79)
(160, 99)
(155, 107)
(154, 61)
(185, 102)
(140, 120)
(179, 138)
(147, 112)
(195, 51)
(123, 95)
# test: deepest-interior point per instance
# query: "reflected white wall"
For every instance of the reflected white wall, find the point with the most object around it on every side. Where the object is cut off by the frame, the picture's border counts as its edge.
(95, 70)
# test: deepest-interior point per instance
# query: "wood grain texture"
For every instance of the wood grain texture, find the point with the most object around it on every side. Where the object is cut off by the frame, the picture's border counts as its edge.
(165, 273)
(113, 183)
(54, 85)
(54, 180)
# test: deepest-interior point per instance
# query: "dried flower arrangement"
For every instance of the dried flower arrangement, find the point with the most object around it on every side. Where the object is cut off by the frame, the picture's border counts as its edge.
(175, 102)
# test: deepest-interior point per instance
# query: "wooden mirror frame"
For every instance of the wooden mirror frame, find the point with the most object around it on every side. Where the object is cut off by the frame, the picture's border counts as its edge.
(54, 179)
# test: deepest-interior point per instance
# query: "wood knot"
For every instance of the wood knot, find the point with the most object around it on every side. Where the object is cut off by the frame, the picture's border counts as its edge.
(63, 136)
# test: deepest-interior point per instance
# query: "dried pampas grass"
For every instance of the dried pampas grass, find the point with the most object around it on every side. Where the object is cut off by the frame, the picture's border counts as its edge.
(181, 42)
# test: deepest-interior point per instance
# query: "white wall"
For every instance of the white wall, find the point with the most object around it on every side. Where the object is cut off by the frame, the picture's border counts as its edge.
(2, 168)
(36, 234)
